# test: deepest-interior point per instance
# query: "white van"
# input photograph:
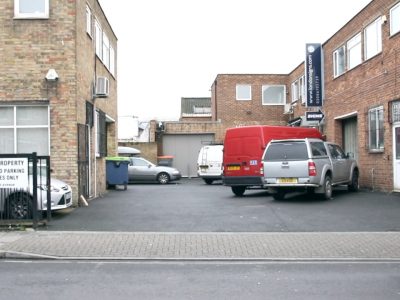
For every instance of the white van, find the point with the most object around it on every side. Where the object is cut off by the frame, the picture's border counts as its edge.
(209, 163)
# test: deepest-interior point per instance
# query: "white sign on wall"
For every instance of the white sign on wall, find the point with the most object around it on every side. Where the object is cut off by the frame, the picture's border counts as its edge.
(14, 173)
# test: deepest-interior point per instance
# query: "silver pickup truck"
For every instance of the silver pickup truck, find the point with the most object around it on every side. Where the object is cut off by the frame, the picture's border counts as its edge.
(310, 165)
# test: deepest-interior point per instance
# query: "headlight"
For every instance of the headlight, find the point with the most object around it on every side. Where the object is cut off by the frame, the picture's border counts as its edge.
(43, 187)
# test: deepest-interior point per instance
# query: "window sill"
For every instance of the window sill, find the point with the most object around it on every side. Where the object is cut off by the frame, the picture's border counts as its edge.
(376, 151)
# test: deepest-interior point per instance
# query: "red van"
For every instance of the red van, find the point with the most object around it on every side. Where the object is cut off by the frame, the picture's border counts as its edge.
(243, 149)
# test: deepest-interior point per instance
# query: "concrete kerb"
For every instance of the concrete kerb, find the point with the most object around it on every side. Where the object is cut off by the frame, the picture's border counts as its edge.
(189, 246)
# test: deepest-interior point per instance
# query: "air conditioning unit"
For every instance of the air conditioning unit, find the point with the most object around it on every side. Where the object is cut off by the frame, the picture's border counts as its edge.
(102, 87)
(288, 109)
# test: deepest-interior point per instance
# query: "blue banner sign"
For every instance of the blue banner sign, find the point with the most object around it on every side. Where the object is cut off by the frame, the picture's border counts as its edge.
(314, 73)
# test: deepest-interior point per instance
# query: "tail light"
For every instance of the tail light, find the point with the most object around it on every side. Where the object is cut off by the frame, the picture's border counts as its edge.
(262, 169)
(312, 170)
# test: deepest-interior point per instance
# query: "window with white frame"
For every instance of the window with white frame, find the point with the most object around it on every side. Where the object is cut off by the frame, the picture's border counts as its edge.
(395, 19)
(98, 36)
(354, 51)
(295, 91)
(88, 20)
(31, 9)
(106, 50)
(298, 89)
(302, 87)
(243, 92)
(373, 39)
(112, 61)
(24, 129)
(273, 94)
(376, 129)
(339, 61)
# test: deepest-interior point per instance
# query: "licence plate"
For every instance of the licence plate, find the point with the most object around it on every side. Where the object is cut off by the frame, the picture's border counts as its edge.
(233, 168)
(287, 180)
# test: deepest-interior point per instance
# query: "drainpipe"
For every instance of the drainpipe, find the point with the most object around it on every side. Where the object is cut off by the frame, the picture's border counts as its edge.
(373, 178)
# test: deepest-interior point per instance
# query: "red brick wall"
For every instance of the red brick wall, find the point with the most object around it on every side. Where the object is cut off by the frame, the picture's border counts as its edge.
(236, 113)
(370, 84)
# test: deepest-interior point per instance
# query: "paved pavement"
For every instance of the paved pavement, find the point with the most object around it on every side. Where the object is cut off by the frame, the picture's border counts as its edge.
(201, 246)
(194, 224)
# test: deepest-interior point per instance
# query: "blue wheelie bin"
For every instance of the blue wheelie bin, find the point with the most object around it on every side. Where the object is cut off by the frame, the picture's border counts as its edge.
(117, 171)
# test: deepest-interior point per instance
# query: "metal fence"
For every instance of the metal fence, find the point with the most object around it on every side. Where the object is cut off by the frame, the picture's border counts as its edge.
(25, 191)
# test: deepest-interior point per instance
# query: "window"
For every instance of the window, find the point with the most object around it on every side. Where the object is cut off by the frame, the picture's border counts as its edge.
(101, 134)
(395, 19)
(295, 91)
(298, 89)
(339, 61)
(375, 123)
(302, 86)
(336, 152)
(273, 94)
(286, 151)
(31, 9)
(98, 37)
(354, 51)
(24, 129)
(243, 92)
(373, 39)
(112, 61)
(88, 20)
(318, 149)
(202, 110)
(106, 51)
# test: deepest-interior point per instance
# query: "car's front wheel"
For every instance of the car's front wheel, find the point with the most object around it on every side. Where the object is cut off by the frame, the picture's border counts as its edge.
(354, 185)
(208, 181)
(20, 206)
(163, 178)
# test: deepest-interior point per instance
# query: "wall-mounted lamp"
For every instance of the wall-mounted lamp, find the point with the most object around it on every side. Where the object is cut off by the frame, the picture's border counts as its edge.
(51, 75)
(384, 19)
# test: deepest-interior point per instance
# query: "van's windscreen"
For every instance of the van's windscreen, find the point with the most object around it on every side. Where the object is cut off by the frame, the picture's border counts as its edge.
(286, 151)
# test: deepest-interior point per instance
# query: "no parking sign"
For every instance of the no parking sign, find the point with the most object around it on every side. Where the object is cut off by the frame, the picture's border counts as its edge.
(14, 172)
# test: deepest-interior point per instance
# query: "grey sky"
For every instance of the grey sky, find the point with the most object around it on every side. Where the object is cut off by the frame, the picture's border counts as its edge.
(168, 49)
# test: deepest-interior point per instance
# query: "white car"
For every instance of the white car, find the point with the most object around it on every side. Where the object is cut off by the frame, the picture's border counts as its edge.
(17, 204)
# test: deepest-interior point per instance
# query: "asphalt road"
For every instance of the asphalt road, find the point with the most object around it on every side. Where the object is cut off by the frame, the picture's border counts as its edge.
(192, 206)
(184, 280)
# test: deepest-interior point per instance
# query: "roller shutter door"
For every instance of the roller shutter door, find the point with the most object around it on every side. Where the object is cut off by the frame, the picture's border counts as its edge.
(350, 138)
(185, 149)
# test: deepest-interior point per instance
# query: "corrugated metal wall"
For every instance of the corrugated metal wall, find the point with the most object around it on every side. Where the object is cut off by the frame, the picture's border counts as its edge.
(185, 149)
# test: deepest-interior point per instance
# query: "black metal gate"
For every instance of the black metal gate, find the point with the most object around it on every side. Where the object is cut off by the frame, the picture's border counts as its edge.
(24, 188)
(83, 160)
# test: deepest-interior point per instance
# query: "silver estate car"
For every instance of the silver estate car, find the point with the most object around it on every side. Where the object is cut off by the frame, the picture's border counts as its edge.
(141, 170)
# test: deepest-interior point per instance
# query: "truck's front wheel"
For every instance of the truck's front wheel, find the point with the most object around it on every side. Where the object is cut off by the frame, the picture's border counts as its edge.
(354, 185)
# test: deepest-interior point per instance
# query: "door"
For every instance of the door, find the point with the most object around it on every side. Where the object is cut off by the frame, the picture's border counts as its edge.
(339, 163)
(83, 160)
(396, 157)
(185, 150)
(350, 138)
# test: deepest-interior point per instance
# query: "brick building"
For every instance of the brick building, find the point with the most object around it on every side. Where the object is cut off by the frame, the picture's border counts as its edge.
(58, 88)
(361, 95)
